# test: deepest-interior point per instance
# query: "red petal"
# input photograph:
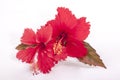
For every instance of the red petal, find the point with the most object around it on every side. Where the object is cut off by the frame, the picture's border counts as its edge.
(55, 26)
(26, 55)
(45, 63)
(61, 56)
(81, 31)
(76, 48)
(44, 34)
(28, 37)
(49, 48)
(63, 22)
(65, 17)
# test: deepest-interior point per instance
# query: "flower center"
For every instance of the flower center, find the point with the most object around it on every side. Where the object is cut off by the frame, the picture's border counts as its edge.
(61, 41)
(42, 45)
(62, 37)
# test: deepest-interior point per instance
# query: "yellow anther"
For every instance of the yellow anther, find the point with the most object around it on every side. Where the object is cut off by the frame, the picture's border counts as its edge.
(57, 48)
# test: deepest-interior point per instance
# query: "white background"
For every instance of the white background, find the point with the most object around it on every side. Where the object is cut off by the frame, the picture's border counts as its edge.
(104, 16)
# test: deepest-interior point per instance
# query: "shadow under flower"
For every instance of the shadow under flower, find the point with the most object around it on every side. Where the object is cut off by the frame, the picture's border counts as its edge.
(73, 62)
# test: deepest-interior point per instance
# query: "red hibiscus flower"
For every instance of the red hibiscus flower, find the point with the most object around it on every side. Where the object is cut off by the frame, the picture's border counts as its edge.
(37, 48)
(69, 33)
(61, 37)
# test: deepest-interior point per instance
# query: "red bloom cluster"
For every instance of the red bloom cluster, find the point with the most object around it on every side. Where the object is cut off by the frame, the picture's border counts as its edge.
(59, 38)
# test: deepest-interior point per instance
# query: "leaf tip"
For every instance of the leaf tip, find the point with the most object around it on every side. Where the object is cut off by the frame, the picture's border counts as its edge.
(104, 66)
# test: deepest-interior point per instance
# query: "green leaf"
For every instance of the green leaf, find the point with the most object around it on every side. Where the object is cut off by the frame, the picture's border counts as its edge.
(21, 46)
(92, 58)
